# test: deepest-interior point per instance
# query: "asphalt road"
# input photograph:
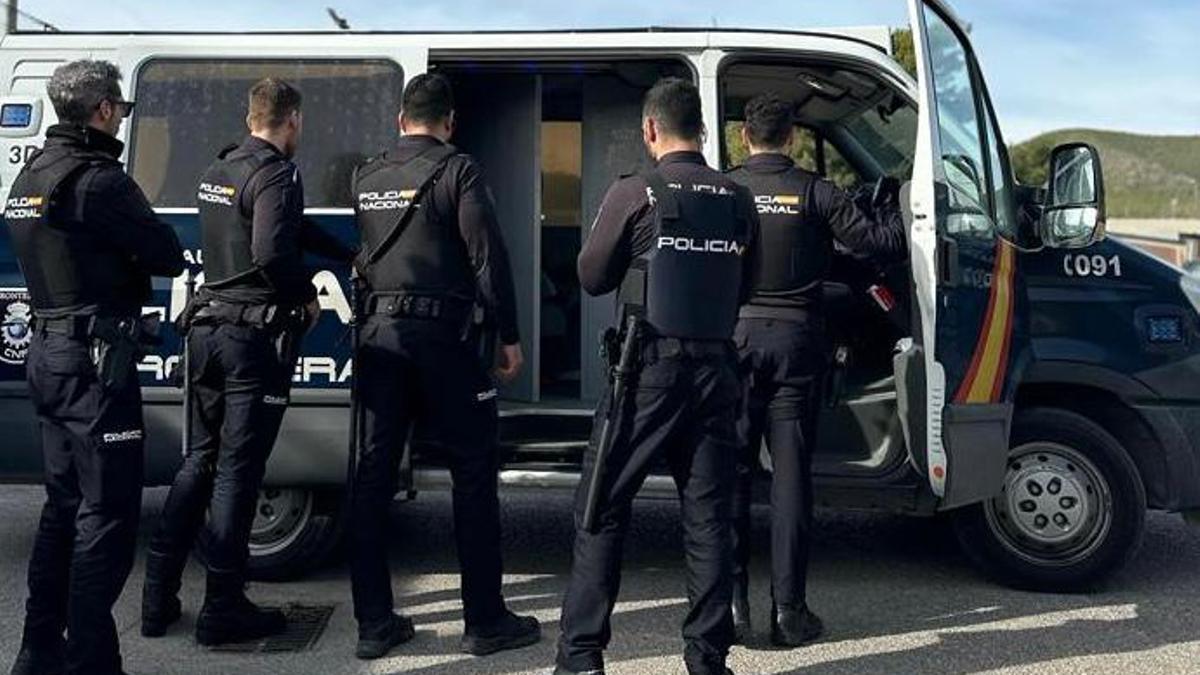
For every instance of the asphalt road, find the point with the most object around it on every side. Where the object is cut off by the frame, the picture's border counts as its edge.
(895, 593)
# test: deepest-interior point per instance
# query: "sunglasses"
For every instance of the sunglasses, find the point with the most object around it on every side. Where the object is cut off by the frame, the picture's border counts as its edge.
(125, 107)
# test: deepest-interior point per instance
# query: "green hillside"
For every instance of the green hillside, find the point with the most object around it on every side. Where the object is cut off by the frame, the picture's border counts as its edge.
(1145, 176)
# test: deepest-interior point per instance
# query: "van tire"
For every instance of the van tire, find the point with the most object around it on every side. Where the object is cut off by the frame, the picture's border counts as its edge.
(296, 530)
(1068, 540)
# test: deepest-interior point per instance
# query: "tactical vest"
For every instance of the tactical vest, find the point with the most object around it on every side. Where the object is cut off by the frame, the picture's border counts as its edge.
(406, 245)
(64, 265)
(688, 284)
(793, 246)
(226, 229)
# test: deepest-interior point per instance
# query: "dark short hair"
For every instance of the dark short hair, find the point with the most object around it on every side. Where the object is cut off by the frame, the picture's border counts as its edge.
(77, 88)
(769, 120)
(427, 99)
(674, 103)
(272, 101)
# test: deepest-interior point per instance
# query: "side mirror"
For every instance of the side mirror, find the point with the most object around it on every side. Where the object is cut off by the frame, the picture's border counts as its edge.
(1073, 213)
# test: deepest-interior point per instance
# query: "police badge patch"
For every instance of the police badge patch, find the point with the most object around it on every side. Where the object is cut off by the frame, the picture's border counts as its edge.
(15, 332)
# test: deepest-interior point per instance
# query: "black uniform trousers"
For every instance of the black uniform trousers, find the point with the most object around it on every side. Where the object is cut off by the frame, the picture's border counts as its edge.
(681, 408)
(421, 371)
(786, 360)
(239, 391)
(92, 449)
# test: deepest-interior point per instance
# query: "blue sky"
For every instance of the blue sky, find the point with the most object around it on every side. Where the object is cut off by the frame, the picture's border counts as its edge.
(1050, 64)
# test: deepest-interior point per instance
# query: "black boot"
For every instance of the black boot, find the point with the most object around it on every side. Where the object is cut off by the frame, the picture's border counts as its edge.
(742, 630)
(47, 660)
(794, 626)
(510, 632)
(229, 616)
(560, 670)
(160, 599)
(376, 640)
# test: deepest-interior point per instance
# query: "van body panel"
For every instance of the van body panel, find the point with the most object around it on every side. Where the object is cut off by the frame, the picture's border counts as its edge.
(1086, 323)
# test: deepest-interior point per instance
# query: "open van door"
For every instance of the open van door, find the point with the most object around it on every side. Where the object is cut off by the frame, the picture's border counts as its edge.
(953, 379)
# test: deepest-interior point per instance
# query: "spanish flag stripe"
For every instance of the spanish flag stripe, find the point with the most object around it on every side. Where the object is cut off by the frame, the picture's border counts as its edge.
(989, 364)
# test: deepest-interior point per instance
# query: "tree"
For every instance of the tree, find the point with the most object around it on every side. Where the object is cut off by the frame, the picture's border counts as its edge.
(903, 50)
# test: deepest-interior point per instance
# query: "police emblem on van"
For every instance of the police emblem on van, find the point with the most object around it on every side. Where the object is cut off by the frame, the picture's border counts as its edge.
(216, 194)
(777, 204)
(24, 208)
(388, 200)
(16, 332)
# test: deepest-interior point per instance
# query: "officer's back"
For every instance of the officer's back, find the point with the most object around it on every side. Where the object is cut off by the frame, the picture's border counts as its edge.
(677, 241)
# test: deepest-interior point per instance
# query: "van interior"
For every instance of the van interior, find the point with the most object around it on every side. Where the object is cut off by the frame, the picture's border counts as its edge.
(553, 135)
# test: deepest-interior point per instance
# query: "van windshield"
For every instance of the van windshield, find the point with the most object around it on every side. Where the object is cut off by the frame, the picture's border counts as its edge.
(888, 136)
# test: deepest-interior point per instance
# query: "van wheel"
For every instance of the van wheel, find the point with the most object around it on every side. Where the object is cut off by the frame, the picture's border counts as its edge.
(1072, 510)
(295, 531)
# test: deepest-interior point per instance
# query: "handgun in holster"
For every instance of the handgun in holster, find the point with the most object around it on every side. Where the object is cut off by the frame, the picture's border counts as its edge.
(118, 344)
(290, 325)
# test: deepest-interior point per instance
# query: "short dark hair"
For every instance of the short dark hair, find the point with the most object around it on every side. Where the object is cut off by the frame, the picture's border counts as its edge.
(77, 88)
(769, 120)
(427, 99)
(674, 103)
(272, 101)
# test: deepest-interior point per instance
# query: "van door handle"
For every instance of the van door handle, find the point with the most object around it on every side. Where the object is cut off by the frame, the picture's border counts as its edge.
(948, 262)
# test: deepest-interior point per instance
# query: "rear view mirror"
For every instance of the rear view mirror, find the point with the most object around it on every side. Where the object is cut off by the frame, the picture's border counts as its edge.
(1073, 213)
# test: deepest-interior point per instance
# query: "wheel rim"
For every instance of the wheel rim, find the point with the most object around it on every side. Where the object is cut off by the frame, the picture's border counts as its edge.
(1055, 508)
(280, 516)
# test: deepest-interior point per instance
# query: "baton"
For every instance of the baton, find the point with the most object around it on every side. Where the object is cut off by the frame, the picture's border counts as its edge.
(185, 366)
(620, 382)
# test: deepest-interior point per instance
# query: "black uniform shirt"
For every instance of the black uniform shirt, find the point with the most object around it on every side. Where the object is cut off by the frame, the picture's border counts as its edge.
(274, 197)
(832, 209)
(624, 226)
(108, 206)
(462, 196)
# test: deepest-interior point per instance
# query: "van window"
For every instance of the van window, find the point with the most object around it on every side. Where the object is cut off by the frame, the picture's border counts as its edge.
(963, 162)
(189, 109)
(803, 151)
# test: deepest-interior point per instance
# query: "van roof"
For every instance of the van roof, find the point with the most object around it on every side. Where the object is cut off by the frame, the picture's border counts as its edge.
(876, 37)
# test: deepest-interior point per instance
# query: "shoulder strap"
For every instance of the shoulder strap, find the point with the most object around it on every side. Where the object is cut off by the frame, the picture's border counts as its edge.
(433, 162)
(663, 199)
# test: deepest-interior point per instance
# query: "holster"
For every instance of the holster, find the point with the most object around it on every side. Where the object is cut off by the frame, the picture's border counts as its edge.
(117, 346)
(290, 326)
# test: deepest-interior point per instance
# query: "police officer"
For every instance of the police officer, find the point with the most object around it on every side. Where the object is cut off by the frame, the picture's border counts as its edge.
(88, 243)
(244, 328)
(678, 241)
(433, 262)
(781, 334)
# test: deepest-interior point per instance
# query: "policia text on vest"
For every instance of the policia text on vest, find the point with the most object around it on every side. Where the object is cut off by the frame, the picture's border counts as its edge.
(88, 243)
(437, 281)
(678, 243)
(244, 328)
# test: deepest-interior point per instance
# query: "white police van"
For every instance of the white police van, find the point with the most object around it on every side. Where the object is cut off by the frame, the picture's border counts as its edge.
(1046, 408)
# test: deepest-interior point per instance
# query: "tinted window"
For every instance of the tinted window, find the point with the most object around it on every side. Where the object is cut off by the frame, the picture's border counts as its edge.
(188, 110)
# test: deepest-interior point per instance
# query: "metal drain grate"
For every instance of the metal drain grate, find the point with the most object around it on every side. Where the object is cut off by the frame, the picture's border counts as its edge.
(305, 624)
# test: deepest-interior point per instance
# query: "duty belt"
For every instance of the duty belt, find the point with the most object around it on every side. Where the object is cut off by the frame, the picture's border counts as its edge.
(74, 326)
(217, 311)
(412, 306)
(656, 348)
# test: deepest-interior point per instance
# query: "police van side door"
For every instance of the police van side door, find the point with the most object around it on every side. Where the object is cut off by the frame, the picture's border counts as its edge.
(954, 379)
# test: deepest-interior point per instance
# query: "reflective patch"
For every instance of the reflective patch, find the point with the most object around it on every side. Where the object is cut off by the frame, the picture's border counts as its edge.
(216, 194)
(486, 395)
(122, 436)
(275, 400)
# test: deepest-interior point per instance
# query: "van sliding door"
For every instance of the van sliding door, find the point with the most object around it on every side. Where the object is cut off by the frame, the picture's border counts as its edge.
(499, 122)
(612, 145)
